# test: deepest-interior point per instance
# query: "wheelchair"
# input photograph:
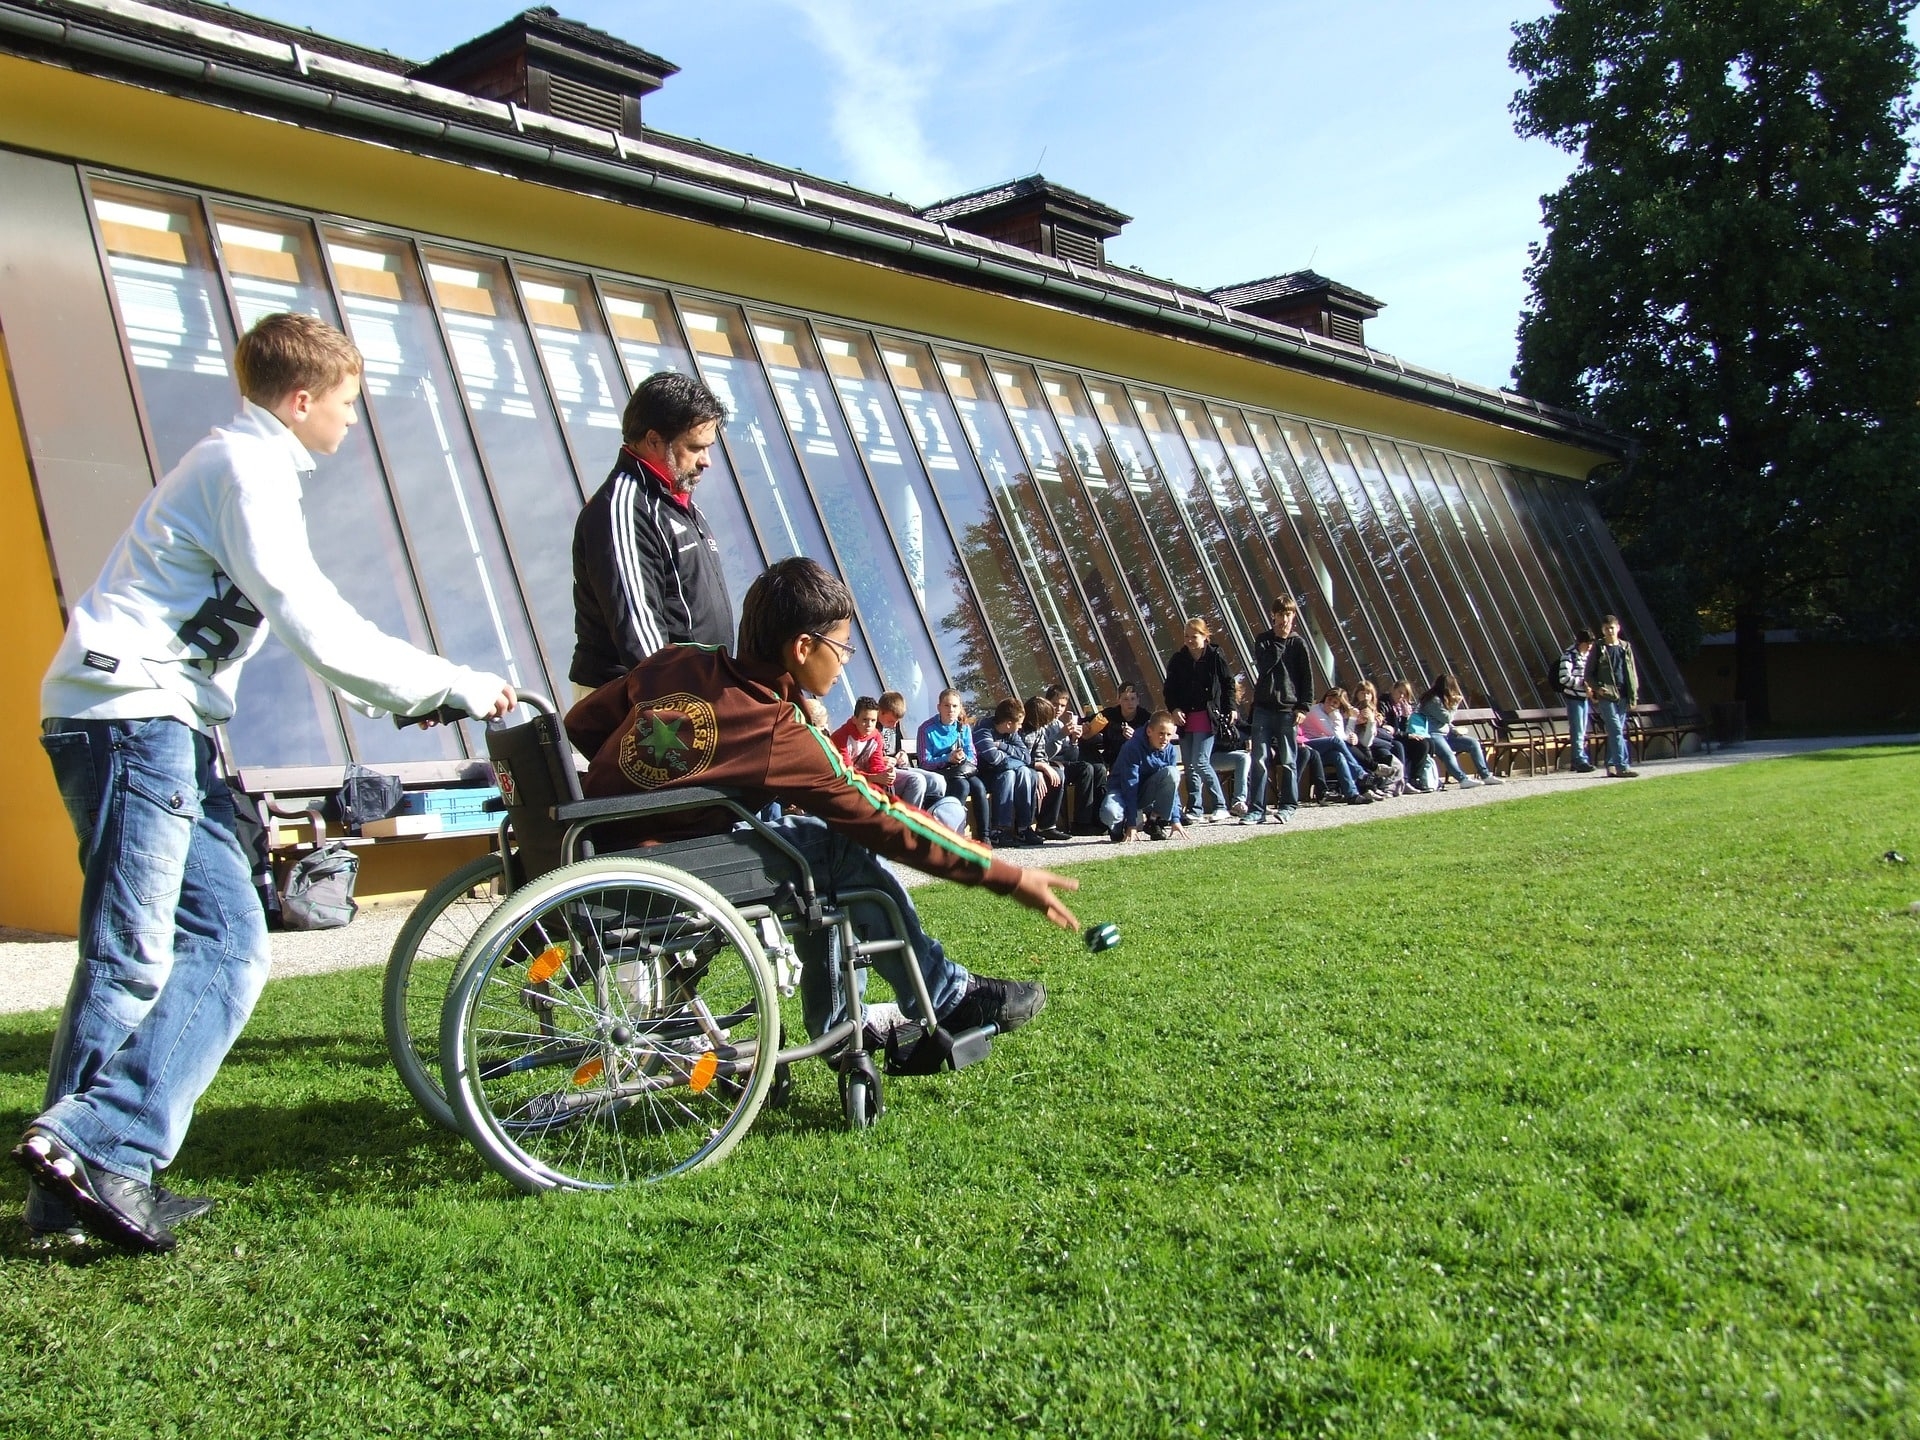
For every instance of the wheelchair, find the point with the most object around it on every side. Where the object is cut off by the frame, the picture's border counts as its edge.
(590, 1021)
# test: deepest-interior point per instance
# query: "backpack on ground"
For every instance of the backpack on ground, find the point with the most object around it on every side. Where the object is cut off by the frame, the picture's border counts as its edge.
(319, 891)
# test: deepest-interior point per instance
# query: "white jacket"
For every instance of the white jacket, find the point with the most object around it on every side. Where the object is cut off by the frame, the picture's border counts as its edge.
(214, 556)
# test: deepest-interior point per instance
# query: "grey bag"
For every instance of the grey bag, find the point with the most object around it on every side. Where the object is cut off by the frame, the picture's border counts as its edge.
(319, 889)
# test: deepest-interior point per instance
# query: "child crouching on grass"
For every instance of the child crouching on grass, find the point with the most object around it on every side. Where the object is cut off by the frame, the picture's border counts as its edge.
(689, 715)
(1142, 796)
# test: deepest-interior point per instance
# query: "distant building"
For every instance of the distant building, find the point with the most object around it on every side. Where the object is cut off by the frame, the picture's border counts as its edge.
(1028, 464)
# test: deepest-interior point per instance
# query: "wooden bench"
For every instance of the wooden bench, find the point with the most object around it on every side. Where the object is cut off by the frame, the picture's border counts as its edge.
(1538, 737)
(1649, 725)
(292, 798)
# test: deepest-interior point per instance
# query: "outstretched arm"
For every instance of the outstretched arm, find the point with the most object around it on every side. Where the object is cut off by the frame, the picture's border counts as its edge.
(1035, 891)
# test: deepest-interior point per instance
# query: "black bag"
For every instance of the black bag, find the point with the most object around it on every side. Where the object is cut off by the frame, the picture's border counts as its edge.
(250, 829)
(319, 889)
(960, 769)
(366, 795)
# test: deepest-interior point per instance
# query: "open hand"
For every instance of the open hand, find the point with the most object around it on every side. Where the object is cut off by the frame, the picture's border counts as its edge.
(1035, 891)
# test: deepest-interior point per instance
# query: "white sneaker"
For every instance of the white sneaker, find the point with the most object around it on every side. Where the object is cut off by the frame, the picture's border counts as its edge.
(1469, 783)
(1491, 780)
(1214, 817)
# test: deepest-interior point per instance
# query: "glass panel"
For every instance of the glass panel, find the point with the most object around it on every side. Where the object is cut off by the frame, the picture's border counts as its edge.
(648, 336)
(1447, 605)
(1018, 569)
(1552, 572)
(583, 374)
(1406, 639)
(1345, 612)
(1274, 543)
(1483, 592)
(1509, 614)
(532, 474)
(756, 438)
(1568, 538)
(174, 317)
(273, 264)
(1675, 684)
(1483, 492)
(1181, 494)
(939, 582)
(1244, 559)
(1333, 530)
(172, 311)
(1120, 615)
(460, 555)
(1155, 553)
(889, 604)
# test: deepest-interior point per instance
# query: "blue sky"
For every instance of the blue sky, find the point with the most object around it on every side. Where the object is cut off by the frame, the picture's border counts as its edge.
(1370, 141)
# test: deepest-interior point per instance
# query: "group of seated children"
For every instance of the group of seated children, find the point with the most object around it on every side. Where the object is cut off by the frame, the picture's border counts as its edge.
(1030, 773)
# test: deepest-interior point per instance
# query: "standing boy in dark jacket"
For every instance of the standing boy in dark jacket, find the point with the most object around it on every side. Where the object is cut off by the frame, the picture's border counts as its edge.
(1282, 691)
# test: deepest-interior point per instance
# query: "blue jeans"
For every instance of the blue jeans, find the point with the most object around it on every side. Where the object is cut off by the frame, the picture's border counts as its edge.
(1013, 792)
(1273, 729)
(1196, 753)
(1158, 797)
(173, 945)
(1338, 758)
(1613, 718)
(1445, 746)
(840, 864)
(1577, 727)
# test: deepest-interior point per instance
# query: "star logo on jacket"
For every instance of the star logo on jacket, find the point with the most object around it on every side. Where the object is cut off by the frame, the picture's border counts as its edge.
(669, 740)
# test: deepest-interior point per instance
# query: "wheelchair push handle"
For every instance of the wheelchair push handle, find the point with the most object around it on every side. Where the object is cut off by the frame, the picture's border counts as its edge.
(448, 714)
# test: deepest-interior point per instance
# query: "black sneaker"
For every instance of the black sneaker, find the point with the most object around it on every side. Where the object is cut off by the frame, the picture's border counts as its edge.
(1117, 831)
(1006, 1004)
(1054, 832)
(1156, 830)
(178, 1209)
(114, 1208)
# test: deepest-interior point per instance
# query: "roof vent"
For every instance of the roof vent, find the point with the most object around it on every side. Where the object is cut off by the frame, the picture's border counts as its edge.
(1305, 300)
(1035, 214)
(558, 67)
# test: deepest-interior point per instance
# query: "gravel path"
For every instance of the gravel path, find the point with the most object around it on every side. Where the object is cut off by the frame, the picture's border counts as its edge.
(35, 970)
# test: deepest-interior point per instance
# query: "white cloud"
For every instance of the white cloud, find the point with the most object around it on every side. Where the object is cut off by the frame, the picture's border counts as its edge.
(891, 63)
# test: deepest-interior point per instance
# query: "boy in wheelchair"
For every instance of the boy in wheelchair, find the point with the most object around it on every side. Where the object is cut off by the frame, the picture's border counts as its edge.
(695, 715)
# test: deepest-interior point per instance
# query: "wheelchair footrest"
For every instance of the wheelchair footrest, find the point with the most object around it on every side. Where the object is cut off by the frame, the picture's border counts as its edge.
(912, 1051)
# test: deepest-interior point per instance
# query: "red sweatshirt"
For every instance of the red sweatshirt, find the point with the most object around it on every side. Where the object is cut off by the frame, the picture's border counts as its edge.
(691, 715)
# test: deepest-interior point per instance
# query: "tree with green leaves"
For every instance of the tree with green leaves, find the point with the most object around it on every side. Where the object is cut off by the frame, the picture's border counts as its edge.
(1729, 278)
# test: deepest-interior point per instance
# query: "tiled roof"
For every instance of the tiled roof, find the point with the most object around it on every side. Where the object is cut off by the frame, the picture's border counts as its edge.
(1280, 287)
(996, 195)
(545, 20)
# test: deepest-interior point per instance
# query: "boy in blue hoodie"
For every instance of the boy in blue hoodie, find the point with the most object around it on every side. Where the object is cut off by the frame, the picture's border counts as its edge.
(1142, 789)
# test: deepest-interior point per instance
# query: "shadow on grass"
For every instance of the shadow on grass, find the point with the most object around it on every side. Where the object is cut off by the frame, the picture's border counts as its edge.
(25, 1052)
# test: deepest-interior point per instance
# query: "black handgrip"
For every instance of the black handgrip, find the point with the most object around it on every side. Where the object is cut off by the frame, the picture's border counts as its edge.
(445, 715)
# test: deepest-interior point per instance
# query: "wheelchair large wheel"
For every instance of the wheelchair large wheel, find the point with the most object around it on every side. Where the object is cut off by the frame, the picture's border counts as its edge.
(615, 1022)
(420, 969)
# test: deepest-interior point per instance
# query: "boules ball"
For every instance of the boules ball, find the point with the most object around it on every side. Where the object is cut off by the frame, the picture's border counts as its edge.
(1102, 937)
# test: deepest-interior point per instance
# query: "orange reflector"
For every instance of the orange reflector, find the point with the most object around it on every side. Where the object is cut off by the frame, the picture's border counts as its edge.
(704, 1070)
(589, 1072)
(546, 964)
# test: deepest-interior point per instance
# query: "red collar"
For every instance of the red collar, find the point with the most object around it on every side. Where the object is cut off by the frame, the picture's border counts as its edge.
(685, 502)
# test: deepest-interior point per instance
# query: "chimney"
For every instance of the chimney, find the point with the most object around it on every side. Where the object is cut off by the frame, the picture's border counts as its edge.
(1305, 300)
(1035, 214)
(558, 67)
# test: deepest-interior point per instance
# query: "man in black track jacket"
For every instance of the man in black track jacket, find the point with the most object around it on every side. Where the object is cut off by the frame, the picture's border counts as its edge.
(646, 567)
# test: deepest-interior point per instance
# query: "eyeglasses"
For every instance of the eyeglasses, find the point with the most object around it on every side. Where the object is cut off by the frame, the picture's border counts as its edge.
(845, 651)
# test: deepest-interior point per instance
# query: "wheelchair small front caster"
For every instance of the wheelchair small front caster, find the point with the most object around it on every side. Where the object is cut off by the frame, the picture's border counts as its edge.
(860, 1098)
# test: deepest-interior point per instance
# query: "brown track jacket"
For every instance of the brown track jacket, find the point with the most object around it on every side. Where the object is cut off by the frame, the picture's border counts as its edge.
(695, 715)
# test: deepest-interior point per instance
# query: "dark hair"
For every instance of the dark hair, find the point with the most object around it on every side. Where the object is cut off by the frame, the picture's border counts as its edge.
(1583, 636)
(1606, 620)
(1444, 687)
(795, 596)
(1282, 604)
(864, 704)
(287, 352)
(669, 404)
(1039, 711)
(1007, 710)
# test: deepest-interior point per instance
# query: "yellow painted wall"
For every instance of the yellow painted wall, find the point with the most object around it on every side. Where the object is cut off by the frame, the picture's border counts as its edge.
(39, 871)
(62, 113)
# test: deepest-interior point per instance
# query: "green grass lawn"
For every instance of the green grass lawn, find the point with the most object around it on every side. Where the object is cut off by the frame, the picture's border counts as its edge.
(1586, 1114)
